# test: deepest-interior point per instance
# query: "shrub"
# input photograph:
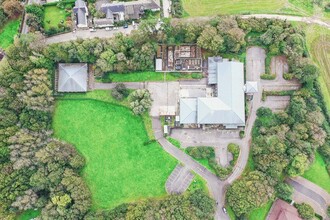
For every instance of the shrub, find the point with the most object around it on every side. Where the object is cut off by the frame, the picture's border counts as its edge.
(305, 211)
(140, 101)
(234, 149)
(120, 92)
(284, 191)
(196, 75)
(328, 210)
(327, 7)
(201, 152)
(241, 134)
(288, 76)
(268, 76)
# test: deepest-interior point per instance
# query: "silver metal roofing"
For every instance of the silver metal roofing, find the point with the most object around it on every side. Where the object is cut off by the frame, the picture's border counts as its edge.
(159, 64)
(72, 77)
(228, 108)
(251, 87)
(188, 111)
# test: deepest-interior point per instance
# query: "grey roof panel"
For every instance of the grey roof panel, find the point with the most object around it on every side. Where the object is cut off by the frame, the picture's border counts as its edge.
(188, 110)
(80, 9)
(72, 77)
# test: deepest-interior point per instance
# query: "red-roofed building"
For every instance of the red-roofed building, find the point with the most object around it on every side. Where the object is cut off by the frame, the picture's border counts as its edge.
(282, 210)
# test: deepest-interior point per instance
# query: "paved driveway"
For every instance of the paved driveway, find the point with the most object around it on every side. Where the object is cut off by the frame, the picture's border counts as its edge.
(85, 34)
(308, 192)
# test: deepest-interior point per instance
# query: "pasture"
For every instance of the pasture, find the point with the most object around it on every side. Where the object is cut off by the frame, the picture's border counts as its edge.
(121, 165)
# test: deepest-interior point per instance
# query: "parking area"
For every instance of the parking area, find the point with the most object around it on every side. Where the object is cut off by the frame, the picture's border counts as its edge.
(179, 180)
(276, 103)
(255, 63)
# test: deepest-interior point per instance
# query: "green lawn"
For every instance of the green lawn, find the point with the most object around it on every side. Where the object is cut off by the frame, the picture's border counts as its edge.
(198, 183)
(147, 76)
(224, 7)
(260, 213)
(8, 32)
(319, 47)
(28, 214)
(120, 168)
(318, 174)
(216, 7)
(53, 16)
(231, 213)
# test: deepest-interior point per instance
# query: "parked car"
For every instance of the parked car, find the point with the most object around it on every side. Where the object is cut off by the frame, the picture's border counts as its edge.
(125, 25)
(108, 29)
(224, 210)
(92, 30)
(116, 28)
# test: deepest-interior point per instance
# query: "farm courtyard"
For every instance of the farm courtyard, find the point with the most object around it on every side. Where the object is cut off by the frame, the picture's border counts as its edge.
(120, 165)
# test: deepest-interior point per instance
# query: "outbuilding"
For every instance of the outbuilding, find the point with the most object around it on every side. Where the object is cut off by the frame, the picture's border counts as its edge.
(72, 77)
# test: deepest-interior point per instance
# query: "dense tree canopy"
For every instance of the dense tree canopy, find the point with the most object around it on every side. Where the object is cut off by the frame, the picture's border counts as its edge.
(250, 192)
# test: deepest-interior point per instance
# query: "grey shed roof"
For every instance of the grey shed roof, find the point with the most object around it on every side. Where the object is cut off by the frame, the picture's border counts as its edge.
(81, 10)
(72, 77)
(251, 87)
(188, 111)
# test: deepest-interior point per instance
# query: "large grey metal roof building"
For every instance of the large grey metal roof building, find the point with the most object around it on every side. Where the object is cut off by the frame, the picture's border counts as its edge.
(228, 107)
(72, 77)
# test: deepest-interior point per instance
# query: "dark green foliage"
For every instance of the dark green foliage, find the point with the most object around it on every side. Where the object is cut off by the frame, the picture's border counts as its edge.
(120, 91)
(284, 191)
(35, 170)
(268, 76)
(177, 8)
(201, 152)
(207, 153)
(140, 101)
(250, 192)
(305, 211)
(3, 17)
(194, 205)
(328, 211)
(35, 16)
(234, 149)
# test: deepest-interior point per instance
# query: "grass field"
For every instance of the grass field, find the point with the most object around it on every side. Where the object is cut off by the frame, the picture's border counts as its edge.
(198, 183)
(318, 43)
(261, 213)
(119, 167)
(147, 76)
(53, 16)
(223, 7)
(318, 174)
(215, 7)
(28, 214)
(8, 32)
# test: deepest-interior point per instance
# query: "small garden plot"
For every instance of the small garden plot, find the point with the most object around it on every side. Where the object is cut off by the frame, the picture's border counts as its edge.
(8, 32)
(122, 166)
(57, 19)
(148, 76)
